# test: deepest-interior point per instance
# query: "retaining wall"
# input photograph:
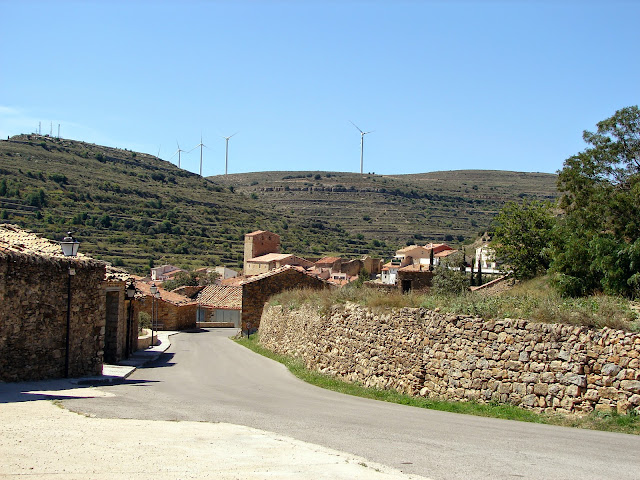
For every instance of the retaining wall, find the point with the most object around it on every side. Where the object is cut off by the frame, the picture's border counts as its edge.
(543, 367)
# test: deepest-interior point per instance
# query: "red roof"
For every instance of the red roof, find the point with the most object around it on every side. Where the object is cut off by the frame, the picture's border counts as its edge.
(327, 260)
(166, 296)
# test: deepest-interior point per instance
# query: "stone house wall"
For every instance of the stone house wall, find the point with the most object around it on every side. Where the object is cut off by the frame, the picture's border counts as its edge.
(170, 316)
(543, 367)
(256, 292)
(33, 317)
(414, 281)
(116, 322)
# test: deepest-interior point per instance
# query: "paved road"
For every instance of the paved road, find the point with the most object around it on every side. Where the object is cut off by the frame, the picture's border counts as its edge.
(206, 377)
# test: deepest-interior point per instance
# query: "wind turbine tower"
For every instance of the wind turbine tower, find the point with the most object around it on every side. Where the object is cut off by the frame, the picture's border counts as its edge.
(199, 145)
(226, 153)
(362, 134)
(178, 152)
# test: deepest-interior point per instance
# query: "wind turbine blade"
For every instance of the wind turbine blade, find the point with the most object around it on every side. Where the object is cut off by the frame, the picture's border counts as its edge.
(370, 131)
(356, 126)
(234, 134)
(192, 149)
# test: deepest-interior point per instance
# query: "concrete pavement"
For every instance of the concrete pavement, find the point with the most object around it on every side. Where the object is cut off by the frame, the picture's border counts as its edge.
(39, 439)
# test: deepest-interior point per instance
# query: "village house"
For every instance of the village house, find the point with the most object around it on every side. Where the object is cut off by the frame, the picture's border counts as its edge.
(220, 306)
(167, 310)
(257, 290)
(486, 259)
(271, 261)
(60, 316)
(164, 272)
(418, 257)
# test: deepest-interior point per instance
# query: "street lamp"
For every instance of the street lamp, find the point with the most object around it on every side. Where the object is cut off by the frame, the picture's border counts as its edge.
(131, 292)
(69, 249)
(154, 308)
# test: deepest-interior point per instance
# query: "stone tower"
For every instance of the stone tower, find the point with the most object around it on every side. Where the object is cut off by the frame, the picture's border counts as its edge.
(260, 243)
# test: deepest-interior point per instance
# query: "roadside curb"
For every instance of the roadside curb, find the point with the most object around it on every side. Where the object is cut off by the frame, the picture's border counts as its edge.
(112, 374)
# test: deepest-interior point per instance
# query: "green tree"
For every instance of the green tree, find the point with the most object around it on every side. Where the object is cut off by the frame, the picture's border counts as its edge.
(522, 236)
(598, 246)
(447, 281)
(180, 280)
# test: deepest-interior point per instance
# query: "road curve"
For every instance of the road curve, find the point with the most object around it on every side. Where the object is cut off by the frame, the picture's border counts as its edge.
(206, 377)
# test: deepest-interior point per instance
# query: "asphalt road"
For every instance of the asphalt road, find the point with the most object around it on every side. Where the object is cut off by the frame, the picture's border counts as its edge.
(206, 377)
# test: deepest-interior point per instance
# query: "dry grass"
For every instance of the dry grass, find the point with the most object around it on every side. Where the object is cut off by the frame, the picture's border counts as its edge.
(533, 300)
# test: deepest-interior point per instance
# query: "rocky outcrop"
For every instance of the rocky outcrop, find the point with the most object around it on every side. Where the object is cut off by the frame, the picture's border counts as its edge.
(543, 367)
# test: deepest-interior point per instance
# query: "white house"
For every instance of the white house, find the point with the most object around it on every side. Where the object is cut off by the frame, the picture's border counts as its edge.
(486, 258)
(164, 272)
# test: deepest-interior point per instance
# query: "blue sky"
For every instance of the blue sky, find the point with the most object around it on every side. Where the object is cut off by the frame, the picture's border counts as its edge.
(504, 85)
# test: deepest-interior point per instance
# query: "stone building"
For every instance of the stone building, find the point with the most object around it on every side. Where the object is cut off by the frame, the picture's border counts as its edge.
(257, 290)
(220, 306)
(258, 243)
(35, 282)
(173, 311)
(121, 326)
(271, 261)
(414, 278)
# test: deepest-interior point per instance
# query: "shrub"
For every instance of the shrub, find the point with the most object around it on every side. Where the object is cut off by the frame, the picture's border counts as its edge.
(448, 281)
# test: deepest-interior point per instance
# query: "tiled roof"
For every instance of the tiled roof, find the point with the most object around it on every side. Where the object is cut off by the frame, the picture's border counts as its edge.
(260, 232)
(327, 260)
(14, 239)
(277, 271)
(233, 281)
(445, 253)
(114, 274)
(270, 257)
(415, 268)
(221, 296)
(175, 298)
(409, 248)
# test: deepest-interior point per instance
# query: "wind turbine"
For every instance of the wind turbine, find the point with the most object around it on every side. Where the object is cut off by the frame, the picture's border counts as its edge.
(226, 153)
(199, 145)
(362, 134)
(178, 152)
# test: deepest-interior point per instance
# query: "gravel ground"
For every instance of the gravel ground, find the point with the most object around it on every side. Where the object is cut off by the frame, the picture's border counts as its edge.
(41, 440)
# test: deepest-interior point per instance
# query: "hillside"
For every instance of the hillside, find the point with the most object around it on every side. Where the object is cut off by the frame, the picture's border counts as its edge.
(134, 209)
(454, 206)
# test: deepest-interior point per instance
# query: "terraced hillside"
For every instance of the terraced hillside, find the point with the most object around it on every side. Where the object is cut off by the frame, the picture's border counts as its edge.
(135, 209)
(453, 206)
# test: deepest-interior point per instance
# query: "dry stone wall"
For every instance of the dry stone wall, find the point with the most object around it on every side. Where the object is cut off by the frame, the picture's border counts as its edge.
(543, 367)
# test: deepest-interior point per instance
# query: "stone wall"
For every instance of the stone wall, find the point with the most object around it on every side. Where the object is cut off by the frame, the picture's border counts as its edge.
(543, 367)
(256, 292)
(169, 315)
(33, 317)
(414, 281)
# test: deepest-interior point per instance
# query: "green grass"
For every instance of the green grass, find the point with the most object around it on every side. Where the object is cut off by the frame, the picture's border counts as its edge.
(610, 422)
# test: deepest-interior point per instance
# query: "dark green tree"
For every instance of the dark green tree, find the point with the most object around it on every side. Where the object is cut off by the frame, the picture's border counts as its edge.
(522, 236)
(598, 245)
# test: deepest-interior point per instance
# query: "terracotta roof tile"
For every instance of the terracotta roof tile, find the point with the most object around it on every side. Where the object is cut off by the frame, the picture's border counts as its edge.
(270, 257)
(175, 298)
(327, 260)
(221, 296)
